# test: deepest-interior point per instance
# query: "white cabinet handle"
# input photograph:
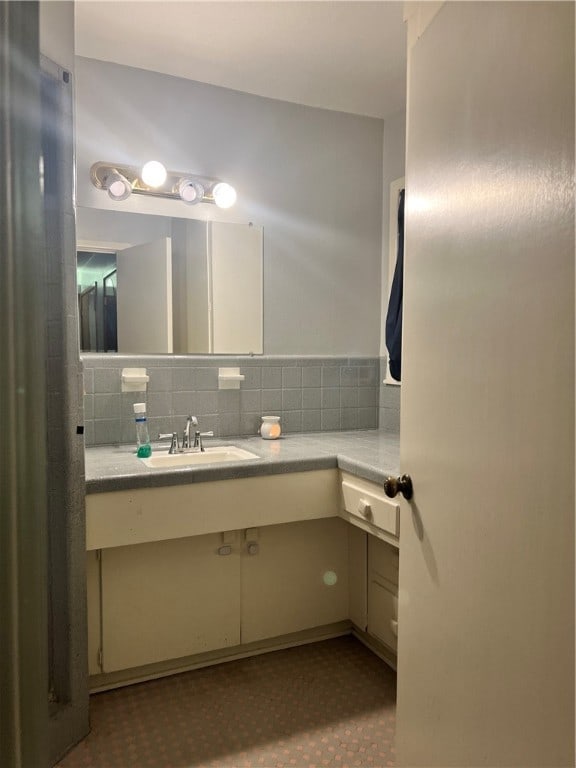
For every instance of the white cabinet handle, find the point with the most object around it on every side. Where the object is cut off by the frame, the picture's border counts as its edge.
(365, 509)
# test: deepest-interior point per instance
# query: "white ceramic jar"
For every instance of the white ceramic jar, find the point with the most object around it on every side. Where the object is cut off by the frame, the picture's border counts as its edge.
(270, 428)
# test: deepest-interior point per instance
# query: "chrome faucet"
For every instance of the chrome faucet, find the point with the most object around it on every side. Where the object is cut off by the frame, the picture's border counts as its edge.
(189, 442)
(186, 442)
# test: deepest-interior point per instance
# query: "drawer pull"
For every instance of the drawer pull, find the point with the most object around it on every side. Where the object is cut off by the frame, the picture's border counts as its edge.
(365, 509)
(394, 627)
(395, 485)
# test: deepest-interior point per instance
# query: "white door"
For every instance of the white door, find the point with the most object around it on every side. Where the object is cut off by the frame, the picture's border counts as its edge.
(486, 603)
(236, 275)
(144, 297)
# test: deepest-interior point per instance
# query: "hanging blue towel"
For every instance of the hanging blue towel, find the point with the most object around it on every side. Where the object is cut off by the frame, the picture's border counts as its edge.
(394, 315)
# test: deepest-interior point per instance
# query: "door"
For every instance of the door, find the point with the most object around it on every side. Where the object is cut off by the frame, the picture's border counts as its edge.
(144, 297)
(236, 279)
(486, 602)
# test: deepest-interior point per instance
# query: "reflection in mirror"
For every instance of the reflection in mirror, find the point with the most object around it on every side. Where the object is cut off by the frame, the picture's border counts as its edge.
(156, 284)
(96, 278)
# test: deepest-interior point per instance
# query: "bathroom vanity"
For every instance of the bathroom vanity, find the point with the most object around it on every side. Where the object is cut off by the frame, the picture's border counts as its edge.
(191, 566)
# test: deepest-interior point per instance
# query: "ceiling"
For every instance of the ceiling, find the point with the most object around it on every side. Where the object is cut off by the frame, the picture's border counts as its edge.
(334, 54)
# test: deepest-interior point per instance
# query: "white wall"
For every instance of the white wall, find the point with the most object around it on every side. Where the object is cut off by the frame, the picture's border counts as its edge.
(57, 32)
(312, 178)
(119, 228)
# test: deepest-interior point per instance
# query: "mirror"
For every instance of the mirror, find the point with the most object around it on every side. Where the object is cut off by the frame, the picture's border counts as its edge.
(158, 284)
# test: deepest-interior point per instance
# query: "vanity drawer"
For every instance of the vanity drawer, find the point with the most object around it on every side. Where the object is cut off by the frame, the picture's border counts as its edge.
(383, 561)
(365, 501)
(383, 613)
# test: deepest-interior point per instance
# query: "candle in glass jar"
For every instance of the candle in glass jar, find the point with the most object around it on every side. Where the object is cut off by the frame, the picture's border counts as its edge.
(270, 428)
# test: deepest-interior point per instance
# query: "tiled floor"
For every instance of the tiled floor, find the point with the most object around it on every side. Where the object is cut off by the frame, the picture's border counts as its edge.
(327, 704)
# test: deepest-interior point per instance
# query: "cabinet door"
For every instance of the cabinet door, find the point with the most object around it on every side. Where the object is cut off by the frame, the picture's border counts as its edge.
(169, 599)
(383, 591)
(296, 579)
(93, 605)
(357, 575)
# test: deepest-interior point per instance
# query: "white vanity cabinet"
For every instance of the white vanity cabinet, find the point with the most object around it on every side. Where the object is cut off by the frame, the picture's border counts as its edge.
(195, 573)
(177, 598)
(172, 571)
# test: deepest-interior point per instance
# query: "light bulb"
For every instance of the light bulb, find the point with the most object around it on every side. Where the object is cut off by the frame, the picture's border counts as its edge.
(153, 174)
(118, 186)
(224, 195)
(190, 191)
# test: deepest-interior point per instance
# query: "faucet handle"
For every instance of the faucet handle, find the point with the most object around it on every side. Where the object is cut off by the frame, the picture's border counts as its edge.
(173, 436)
(198, 438)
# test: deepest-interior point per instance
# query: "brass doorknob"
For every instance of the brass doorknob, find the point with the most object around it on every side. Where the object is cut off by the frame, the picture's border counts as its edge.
(395, 485)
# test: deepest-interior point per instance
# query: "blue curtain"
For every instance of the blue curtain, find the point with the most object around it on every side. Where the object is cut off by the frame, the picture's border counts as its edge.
(394, 315)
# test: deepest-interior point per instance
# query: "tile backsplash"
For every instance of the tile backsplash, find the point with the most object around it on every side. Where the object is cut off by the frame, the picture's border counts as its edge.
(310, 394)
(389, 413)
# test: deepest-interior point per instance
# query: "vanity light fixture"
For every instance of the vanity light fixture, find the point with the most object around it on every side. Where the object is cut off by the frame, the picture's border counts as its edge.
(191, 191)
(118, 186)
(153, 174)
(122, 180)
(224, 195)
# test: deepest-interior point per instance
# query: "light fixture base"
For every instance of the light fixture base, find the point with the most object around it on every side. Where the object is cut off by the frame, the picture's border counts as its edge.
(101, 170)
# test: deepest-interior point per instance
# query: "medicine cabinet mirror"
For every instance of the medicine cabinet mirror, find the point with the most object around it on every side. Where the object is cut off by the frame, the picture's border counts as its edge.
(156, 284)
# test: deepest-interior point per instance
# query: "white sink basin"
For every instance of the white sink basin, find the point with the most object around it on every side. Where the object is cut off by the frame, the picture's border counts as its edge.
(218, 455)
